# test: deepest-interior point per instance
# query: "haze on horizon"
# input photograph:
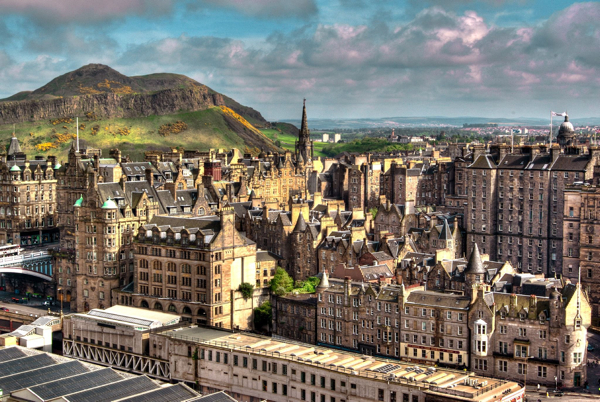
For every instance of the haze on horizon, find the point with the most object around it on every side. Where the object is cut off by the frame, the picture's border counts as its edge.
(349, 58)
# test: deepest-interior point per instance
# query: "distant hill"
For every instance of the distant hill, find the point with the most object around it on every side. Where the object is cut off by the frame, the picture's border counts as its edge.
(340, 124)
(112, 106)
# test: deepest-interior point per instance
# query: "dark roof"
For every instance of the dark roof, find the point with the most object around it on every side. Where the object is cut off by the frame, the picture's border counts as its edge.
(475, 265)
(69, 385)
(24, 364)
(113, 391)
(300, 224)
(216, 397)
(484, 162)
(174, 393)
(41, 375)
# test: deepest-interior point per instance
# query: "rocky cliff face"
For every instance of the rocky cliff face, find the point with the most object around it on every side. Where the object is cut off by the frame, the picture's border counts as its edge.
(111, 105)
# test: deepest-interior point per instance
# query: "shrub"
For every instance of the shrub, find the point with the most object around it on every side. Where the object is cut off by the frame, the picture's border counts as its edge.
(282, 283)
(247, 290)
(263, 315)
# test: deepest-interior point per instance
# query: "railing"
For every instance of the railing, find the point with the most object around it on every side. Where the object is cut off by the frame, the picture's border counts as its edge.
(465, 394)
(23, 257)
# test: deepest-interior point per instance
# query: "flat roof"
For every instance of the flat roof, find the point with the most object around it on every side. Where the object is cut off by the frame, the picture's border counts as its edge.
(132, 316)
(416, 375)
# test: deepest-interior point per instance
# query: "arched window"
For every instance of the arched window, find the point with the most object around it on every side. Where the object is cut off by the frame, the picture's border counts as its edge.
(157, 265)
(201, 211)
(144, 304)
(180, 186)
(202, 312)
(143, 264)
(158, 306)
(172, 308)
(186, 310)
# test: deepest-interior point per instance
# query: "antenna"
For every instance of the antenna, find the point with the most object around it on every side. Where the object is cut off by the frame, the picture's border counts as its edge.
(77, 123)
(13, 129)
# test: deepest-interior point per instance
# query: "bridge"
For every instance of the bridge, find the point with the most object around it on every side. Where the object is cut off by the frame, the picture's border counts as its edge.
(37, 263)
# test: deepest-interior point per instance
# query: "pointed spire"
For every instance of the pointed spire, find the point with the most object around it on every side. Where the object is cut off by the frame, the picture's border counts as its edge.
(300, 224)
(304, 126)
(475, 265)
(446, 233)
(324, 284)
(14, 147)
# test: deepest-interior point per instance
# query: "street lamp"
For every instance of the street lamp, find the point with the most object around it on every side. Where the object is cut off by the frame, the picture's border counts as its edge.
(526, 360)
(62, 296)
(555, 383)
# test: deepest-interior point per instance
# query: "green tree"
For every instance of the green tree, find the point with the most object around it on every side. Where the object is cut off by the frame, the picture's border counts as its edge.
(308, 286)
(282, 283)
(247, 290)
(373, 212)
(263, 315)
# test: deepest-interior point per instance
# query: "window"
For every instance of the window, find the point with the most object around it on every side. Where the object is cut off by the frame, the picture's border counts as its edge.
(521, 368)
(502, 365)
(542, 371)
(480, 364)
(520, 351)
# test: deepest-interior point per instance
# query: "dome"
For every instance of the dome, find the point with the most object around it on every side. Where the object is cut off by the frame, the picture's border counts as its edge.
(15, 168)
(109, 204)
(57, 166)
(566, 126)
(79, 202)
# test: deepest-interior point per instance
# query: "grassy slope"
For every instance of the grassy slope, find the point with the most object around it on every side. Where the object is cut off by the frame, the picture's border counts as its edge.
(285, 133)
(206, 129)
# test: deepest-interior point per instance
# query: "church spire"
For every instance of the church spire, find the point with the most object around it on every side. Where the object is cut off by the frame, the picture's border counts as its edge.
(304, 126)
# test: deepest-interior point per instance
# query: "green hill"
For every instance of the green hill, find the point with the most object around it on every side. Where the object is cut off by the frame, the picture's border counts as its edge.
(134, 114)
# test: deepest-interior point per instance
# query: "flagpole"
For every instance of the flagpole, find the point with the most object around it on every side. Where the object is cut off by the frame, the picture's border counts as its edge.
(550, 145)
(512, 141)
(77, 123)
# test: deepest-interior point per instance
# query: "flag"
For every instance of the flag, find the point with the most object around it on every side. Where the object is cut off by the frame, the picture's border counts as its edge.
(559, 114)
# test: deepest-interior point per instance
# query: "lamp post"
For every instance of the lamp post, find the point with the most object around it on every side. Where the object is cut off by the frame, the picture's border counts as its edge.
(525, 369)
(62, 296)
(555, 383)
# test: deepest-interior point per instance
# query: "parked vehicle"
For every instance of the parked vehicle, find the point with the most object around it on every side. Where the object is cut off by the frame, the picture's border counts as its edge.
(3, 309)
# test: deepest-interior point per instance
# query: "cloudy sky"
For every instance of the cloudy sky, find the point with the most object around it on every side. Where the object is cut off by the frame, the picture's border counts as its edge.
(349, 58)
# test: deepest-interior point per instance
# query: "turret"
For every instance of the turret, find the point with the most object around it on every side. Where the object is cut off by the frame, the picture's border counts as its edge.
(475, 272)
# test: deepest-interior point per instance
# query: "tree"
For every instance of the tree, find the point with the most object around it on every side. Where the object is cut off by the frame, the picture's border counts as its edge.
(247, 290)
(307, 286)
(373, 212)
(282, 282)
(263, 315)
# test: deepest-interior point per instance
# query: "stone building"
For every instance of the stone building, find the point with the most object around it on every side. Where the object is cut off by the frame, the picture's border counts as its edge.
(295, 317)
(581, 243)
(355, 179)
(27, 199)
(250, 367)
(443, 327)
(194, 267)
(514, 202)
(518, 335)
(393, 218)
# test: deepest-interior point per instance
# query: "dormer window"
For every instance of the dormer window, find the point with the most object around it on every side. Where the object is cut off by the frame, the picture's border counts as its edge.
(522, 316)
(502, 315)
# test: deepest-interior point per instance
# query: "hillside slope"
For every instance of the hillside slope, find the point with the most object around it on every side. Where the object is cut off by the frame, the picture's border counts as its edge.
(129, 112)
(216, 127)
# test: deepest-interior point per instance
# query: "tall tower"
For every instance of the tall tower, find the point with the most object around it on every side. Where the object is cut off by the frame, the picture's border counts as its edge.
(304, 146)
